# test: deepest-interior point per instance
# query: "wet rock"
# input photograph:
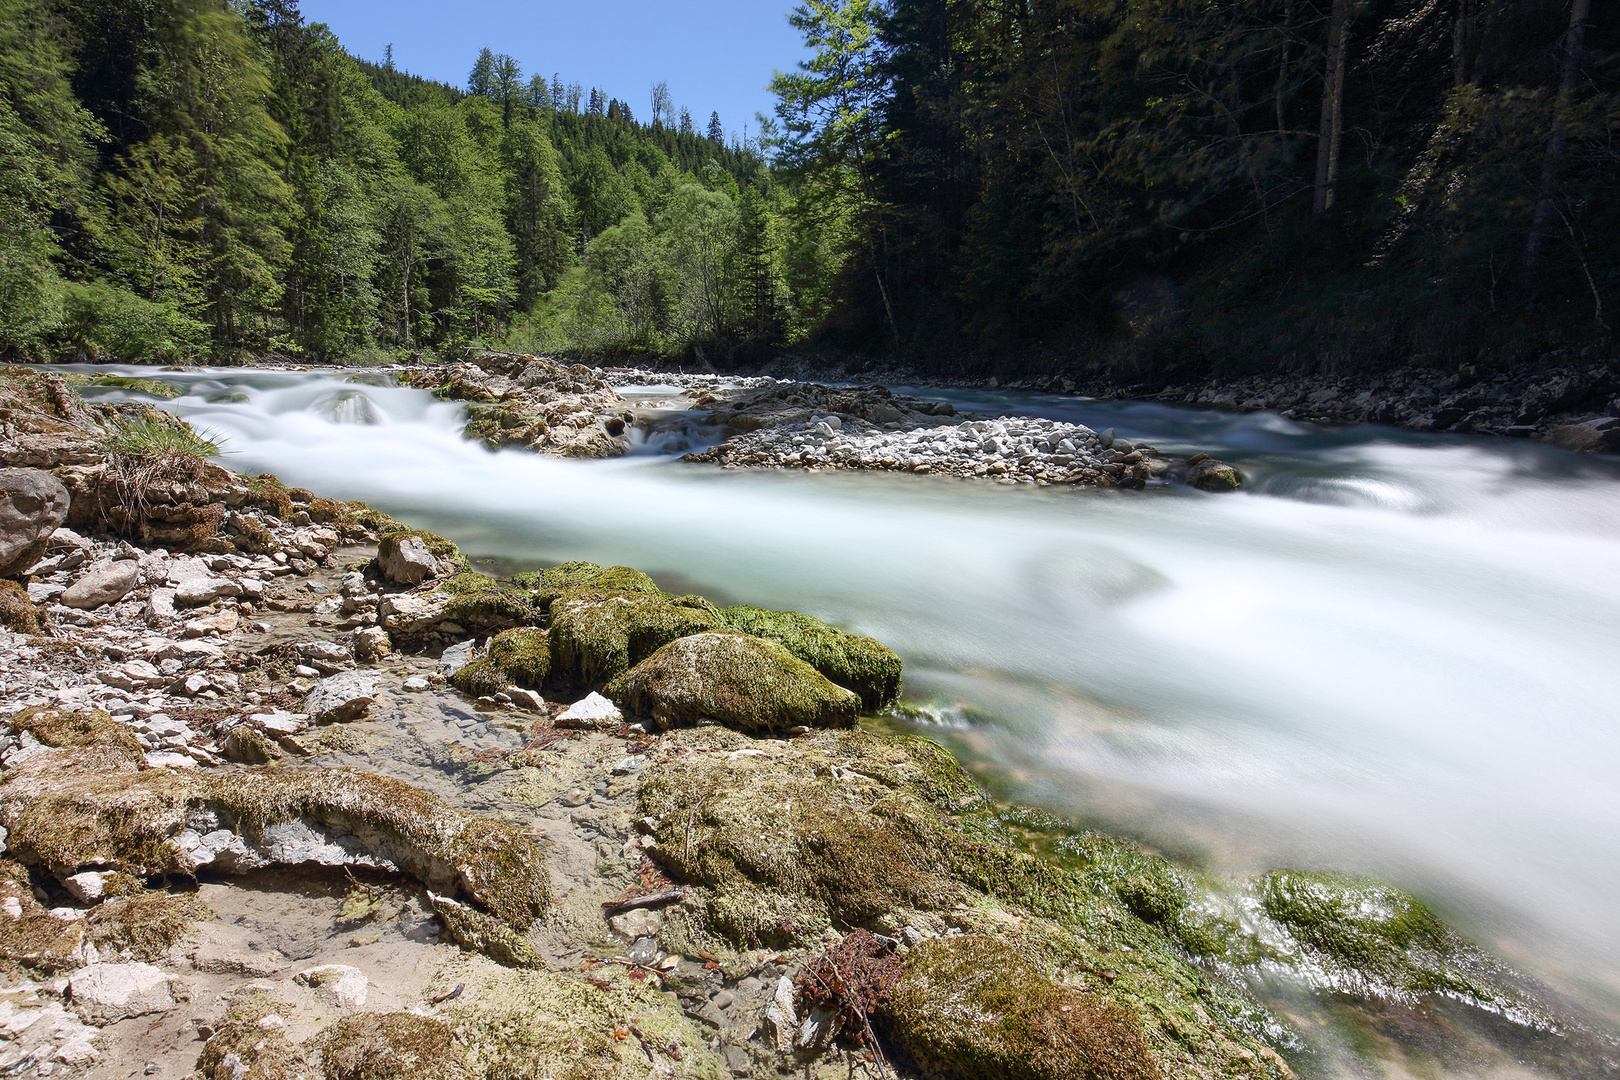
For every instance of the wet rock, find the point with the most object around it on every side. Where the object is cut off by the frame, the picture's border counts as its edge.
(1209, 474)
(33, 504)
(591, 711)
(1600, 436)
(458, 656)
(341, 698)
(861, 664)
(747, 683)
(107, 585)
(371, 644)
(594, 640)
(107, 993)
(641, 923)
(413, 613)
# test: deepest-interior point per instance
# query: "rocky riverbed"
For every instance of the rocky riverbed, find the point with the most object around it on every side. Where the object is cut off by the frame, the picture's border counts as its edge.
(288, 789)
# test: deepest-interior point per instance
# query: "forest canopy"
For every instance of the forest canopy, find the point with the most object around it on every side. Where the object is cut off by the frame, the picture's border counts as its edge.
(1124, 185)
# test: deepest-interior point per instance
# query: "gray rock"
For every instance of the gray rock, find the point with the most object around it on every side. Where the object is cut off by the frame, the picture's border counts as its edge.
(591, 711)
(86, 888)
(371, 644)
(413, 613)
(107, 993)
(819, 1030)
(196, 591)
(338, 984)
(640, 923)
(33, 505)
(458, 656)
(410, 563)
(341, 698)
(160, 607)
(782, 1018)
(1592, 437)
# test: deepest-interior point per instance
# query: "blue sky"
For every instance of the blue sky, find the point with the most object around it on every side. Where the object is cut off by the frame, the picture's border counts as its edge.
(715, 54)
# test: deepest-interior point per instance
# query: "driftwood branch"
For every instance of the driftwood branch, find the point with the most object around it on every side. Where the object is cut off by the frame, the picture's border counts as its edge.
(668, 896)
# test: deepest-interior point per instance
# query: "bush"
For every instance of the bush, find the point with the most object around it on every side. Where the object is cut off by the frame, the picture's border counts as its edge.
(104, 322)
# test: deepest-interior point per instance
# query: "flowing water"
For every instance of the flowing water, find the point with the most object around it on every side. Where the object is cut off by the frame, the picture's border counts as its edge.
(1391, 653)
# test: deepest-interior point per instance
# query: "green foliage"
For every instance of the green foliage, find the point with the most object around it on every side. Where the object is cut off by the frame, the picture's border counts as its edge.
(157, 436)
(104, 322)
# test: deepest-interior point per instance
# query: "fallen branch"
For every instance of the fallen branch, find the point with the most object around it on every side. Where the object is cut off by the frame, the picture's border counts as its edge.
(668, 896)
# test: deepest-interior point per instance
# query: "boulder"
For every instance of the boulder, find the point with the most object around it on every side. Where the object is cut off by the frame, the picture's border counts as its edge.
(413, 613)
(106, 585)
(343, 697)
(408, 562)
(595, 640)
(1600, 436)
(1209, 474)
(371, 644)
(107, 993)
(861, 664)
(591, 711)
(33, 505)
(196, 591)
(747, 683)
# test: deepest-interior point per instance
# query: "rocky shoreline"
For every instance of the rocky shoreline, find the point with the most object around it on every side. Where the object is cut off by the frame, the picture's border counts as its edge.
(288, 790)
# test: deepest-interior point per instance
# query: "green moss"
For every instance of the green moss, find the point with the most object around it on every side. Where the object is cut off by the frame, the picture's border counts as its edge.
(524, 655)
(378, 522)
(482, 604)
(34, 940)
(583, 579)
(746, 683)
(269, 493)
(596, 640)
(861, 664)
(973, 1008)
(481, 678)
(391, 1046)
(147, 924)
(475, 930)
(18, 613)
(249, 747)
(70, 730)
(149, 387)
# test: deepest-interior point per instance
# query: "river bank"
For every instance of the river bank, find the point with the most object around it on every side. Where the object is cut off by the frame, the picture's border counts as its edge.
(517, 761)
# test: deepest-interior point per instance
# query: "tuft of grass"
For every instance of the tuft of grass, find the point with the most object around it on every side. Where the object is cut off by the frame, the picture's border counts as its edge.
(158, 436)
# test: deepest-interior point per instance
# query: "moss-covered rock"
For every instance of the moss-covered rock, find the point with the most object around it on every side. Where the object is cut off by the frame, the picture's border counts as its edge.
(18, 613)
(532, 1024)
(524, 656)
(149, 387)
(746, 683)
(146, 925)
(973, 1008)
(391, 1046)
(861, 664)
(593, 641)
(240, 1049)
(584, 579)
(33, 938)
(481, 678)
(447, 553)
(154, 822)
(482, 604)
(64, 729)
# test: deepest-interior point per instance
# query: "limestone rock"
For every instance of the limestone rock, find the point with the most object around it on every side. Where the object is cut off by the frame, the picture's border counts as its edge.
(408, 562)
(196, 591)
(33, 504)
(341, 698)
(87, 887)
(413, 613)
(107, 585)
(107, 993)
(591, 711)
(371, 644)
(458, 656)
(338, 984)
(782, 1017)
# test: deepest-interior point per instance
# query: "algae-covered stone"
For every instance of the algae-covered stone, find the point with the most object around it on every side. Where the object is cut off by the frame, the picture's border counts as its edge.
(593, 641)
(482, 604)
(64, 729)
(524, 1025)
(746, 683)
(861, 664)
(473, 929)
(585, 579)
(972, 1008)
(391, 1046)
(17, 612)
(481, 678)
(524, 655)
(237, 821)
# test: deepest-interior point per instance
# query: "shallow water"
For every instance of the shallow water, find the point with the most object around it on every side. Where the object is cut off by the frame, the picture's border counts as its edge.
(1391, 653)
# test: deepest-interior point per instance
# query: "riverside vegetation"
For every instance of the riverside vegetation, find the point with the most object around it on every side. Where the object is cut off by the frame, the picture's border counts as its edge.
(289, 789)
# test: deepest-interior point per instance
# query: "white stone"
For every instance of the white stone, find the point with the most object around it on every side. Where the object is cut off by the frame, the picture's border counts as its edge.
(417, 683)
(196, 591)
(643, 922)
(340, 984)
(410, 563)
(165, 760)
(160, 607)
(782, 1018)
(107, 993)
(592, 710)
(526, 699)
(343, 697)
(278, 723)
(86, 888)
(107, 585)
(458, 656)
(412, 613)
(371, 643)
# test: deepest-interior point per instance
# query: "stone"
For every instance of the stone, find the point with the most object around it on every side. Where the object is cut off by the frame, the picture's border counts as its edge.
(197, 591)
(166, 760)
(278, 723)
(1212, 475)
(591, 711)
(1600, 436)
(417, 683)
(86, 888)
(640, 923)
(341, 698)
(221, 623)
(458, 656)
(33, 505)
(250, 747)
(107, 993)
(413, 613)
(160, 607)
(409, 562)
(108, 585)
(337, 984)
(526, 699)
(819, 1030)
(782, 1018)
(371, 644)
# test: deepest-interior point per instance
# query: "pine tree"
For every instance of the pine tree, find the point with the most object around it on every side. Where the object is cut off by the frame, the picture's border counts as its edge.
(481, 80)
(505, 86)
(539, 97)
(686, 121)
(717, 134)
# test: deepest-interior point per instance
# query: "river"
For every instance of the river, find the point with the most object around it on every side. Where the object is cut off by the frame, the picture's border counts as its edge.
(1391, 653)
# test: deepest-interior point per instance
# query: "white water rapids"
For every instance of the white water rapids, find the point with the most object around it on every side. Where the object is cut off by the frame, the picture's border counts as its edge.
(1391, 653)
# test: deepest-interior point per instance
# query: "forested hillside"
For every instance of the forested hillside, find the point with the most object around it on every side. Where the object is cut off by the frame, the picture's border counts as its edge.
(1128, 186)
(193, 177)
(1152, 184)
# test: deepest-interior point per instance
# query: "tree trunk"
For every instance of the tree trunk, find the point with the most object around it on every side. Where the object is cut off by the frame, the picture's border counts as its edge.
(1459, 43)
(1332, 126)
(1545, 207)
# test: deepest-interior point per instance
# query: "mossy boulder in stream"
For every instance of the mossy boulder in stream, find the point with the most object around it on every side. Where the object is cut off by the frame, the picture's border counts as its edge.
(973, 1008)
(861, 664)
(746, 683)
(584, 579)
(523, 655)
(482, 604)
(595, 640)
